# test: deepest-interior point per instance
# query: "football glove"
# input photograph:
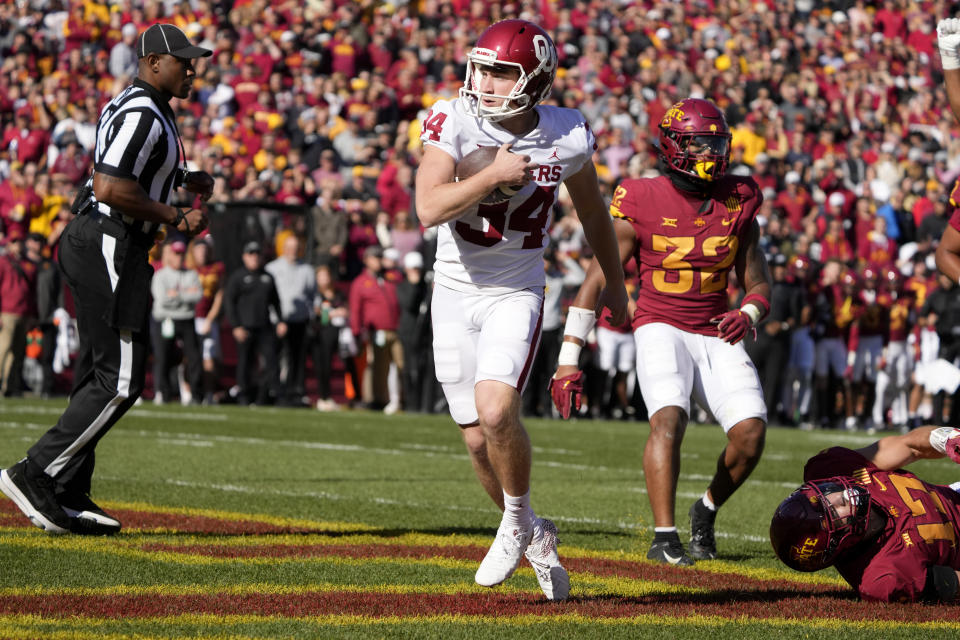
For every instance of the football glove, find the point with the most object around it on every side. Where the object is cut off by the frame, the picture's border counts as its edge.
(733, 326)
(953, 448)
(567, 393)
(948, 40)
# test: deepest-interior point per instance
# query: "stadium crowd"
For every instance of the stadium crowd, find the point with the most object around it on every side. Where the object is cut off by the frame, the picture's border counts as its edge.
(312, 111)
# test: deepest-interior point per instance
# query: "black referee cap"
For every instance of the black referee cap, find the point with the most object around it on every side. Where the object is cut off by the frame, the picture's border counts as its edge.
(166, 38)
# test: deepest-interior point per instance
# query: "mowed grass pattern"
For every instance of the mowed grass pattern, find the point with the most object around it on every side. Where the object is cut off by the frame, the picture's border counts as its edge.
(275, 523)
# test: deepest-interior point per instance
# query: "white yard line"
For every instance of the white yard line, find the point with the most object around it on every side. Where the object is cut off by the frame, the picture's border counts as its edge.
(326, 495)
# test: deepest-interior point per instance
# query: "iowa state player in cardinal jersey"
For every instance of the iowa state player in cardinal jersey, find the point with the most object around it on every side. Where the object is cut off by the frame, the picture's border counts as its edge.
(488, 294)
(892, 536)
(687, 229)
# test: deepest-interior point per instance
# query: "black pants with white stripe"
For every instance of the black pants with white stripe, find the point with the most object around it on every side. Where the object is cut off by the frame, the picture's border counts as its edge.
(113, 375)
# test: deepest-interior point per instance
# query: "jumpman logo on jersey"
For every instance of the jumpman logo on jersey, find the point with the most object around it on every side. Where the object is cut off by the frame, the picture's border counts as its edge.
(554, 155)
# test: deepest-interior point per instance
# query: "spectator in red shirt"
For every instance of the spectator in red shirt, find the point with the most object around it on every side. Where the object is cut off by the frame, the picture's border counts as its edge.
(247, 85)
(19, 203)
(876, 247)
(25, 142)
(795, 202)
(834, 245)
(890, 21)
(18, 293)
(72, 162)
(374, 316)
(395, 186)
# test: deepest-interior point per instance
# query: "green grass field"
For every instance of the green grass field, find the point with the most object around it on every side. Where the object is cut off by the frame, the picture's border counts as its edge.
(276, 523)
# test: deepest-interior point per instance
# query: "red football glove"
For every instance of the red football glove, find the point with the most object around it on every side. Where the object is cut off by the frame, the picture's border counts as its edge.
(567, 393)
(732, 326)
(953, 448)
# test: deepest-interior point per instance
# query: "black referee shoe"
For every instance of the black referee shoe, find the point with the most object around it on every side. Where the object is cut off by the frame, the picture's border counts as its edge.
(33, 493)
(86, 517)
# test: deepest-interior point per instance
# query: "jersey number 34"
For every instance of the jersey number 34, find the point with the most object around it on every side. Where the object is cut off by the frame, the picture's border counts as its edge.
(529, 217)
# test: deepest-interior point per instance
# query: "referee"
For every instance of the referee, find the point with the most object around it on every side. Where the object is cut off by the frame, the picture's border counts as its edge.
(138, 164)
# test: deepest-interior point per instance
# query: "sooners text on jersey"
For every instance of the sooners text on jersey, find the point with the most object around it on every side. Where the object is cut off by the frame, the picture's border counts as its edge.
(685, 247)
(500, 247)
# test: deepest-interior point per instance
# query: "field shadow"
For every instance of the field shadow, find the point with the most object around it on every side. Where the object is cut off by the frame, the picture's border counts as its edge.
(726, 597)
(306, 533)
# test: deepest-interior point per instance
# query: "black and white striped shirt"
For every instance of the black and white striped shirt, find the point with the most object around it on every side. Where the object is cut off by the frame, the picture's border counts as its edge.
(137, 139)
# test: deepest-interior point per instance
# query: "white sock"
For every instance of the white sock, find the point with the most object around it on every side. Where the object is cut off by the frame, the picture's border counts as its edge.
(664, 529)
(517, 511)
(707, 502)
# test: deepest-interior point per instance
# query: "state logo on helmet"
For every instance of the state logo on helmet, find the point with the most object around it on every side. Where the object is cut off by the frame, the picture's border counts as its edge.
(807, 533)
(516, 44)
(695, 140)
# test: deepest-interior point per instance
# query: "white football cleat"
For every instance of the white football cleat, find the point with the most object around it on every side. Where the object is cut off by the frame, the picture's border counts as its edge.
(504, 555)
(543, 557)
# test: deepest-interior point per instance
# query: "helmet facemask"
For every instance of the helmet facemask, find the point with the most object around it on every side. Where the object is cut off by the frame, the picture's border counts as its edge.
(514, 103)
(511, 44)
(807, 531)
(698, 155)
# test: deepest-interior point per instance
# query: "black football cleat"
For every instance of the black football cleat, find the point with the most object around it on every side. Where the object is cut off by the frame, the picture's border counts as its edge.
(669, 552)
(703, 546)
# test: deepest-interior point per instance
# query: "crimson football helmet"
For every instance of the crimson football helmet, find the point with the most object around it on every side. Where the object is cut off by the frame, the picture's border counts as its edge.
(518, 44)
(701, 123)
(806, 531)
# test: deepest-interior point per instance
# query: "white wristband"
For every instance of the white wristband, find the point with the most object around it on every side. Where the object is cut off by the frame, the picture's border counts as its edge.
(753, 312)
(579, 322)
(939, 437)
(569, 355)
(949, 58)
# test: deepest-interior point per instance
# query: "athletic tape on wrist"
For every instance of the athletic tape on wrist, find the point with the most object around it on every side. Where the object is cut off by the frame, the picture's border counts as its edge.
(569, 354)
(755, 306)
(752, 312)
(939, 437)
(949, 58)
(579, 322)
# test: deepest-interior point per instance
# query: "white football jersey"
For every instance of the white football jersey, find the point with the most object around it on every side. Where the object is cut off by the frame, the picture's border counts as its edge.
(499, 248)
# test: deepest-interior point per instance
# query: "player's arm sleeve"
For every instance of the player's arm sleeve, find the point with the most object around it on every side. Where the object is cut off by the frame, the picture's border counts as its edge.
(590, 142)
(438, 130)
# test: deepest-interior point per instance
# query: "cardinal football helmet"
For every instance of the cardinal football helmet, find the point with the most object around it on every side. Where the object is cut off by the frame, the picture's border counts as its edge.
(517, 44)
(807, 533)
(699, 123)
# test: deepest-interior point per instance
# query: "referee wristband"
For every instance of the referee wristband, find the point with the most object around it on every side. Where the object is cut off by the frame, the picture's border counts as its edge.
(181, 216)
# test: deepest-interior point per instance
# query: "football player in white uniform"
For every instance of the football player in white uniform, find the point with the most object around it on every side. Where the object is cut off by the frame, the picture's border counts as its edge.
(488, 295)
